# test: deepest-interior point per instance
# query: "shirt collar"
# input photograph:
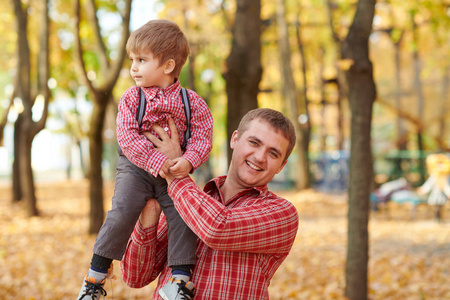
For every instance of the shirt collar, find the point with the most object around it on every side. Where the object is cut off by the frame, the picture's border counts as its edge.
(214, 185)
(151, 92)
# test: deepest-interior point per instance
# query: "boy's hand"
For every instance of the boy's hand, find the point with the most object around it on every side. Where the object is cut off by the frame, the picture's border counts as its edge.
(180, 167)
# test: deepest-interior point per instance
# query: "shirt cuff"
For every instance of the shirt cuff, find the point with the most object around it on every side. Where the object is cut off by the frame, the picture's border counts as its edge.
(144, 236)
(155, 163)
(193, 158)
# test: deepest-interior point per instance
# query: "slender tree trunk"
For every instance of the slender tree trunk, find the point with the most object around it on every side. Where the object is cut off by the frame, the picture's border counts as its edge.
(25, 170)
(204, 172)
(244, 68)
(420, 99)
(361, 97)
(401, 138)
(290, 93)
(95, 175)
(101, 92)
(27, 127)
(323, 104)
(307, 122)
(444, 103)
(340, 77)
(17, 183)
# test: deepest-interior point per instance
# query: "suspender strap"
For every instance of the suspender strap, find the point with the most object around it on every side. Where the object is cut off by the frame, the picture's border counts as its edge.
(187, 111)
(141, 107)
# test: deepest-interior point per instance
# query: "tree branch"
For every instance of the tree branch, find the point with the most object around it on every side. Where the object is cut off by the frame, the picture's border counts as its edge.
(78, 47)
(102, 53)
(114, 71)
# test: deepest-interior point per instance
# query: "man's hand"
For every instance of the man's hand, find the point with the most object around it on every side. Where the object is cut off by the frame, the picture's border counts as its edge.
(150, 214)
(165, 168)
(180, 167)
(169, 146)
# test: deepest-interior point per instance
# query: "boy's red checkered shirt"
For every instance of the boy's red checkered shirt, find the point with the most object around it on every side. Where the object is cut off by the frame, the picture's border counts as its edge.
(241, 243)
(163, 104)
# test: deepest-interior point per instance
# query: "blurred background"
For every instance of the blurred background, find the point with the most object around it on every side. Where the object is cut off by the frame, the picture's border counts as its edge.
(63, 69)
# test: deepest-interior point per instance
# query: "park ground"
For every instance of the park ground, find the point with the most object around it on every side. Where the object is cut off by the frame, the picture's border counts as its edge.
(46, 257)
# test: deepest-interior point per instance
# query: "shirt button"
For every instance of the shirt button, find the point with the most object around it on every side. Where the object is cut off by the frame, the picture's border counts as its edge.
(142, 237)
(166, 128)
(151, 170)
(165, 101)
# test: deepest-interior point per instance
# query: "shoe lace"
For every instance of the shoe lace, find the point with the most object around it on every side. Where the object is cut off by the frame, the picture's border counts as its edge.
(184, 292)
(92, 289)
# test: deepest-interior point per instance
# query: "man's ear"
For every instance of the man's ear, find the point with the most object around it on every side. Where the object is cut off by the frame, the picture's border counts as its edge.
(233, 139)
(282, 166)
(169, 66)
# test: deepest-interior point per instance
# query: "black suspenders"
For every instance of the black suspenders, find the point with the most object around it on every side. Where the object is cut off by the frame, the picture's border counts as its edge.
(187, 111)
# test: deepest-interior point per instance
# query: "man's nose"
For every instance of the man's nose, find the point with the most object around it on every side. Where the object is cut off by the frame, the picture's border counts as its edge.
(260, 154)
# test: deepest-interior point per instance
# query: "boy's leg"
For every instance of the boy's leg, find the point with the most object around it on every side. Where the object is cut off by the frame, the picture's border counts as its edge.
(133, 187)
(182, 244)
(182, 241)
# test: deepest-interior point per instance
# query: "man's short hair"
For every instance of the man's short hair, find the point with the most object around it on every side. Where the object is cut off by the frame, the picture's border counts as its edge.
(164, 39)
(276, 120)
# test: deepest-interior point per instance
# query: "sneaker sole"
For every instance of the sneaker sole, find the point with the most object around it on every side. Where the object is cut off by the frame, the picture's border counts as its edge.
(163, 295)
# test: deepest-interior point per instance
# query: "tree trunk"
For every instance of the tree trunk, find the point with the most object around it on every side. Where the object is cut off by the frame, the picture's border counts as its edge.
(401, 133)
(361, 97)
(290, 94)
(101, 92)
(25, 170)
(27, 128)
(17, 183)
(95, 175)
(420, 98)
(340, 78)
(243, 65)
(444, 103)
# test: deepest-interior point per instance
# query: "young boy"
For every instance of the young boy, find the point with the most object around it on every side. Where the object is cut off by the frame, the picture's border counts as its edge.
(158, 50)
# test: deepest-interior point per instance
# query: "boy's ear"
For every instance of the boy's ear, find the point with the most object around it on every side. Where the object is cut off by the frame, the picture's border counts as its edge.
(169, 66)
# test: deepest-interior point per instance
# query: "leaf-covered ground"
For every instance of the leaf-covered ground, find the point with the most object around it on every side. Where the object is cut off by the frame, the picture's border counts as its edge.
(46, 257)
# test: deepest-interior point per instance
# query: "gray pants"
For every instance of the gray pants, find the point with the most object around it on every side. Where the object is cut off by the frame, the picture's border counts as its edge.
(133, 187)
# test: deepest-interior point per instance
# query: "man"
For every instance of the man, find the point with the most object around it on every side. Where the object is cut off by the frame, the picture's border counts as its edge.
(244, 231)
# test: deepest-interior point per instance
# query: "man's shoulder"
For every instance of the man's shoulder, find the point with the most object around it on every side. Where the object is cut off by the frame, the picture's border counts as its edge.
(269, 195)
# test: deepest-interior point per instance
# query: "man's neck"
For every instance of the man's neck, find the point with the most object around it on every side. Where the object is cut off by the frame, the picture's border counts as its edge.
(230, 189)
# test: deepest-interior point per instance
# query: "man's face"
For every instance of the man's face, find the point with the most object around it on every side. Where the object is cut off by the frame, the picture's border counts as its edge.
(259, 154)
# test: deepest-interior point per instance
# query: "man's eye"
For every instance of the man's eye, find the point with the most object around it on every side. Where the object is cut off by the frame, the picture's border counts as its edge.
(274, 154)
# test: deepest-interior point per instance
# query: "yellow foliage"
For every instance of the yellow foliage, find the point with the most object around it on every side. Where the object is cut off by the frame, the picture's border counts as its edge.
(46, 258)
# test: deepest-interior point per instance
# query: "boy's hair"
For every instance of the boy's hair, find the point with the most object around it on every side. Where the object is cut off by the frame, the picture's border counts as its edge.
(276, 120)
(164, 39)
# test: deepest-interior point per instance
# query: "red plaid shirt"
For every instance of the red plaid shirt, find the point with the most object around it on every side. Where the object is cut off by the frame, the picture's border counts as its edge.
(241, 243)
(162, 104)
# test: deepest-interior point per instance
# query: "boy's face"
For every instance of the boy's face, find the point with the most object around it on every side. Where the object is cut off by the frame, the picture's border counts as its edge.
(147, 71)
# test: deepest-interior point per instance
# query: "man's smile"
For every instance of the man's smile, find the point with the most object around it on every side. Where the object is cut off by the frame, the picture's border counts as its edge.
(254, 167)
